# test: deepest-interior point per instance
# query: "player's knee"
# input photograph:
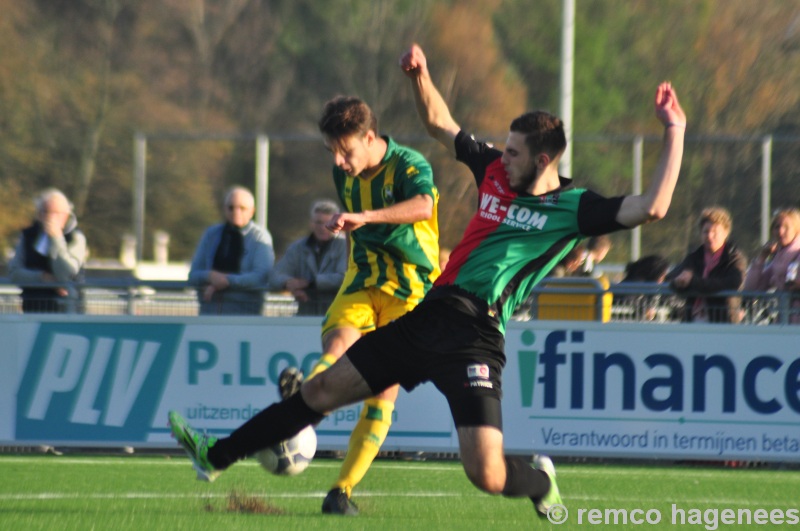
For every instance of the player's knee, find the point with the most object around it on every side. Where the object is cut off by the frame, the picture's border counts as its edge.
(485, 478)
(317, 392)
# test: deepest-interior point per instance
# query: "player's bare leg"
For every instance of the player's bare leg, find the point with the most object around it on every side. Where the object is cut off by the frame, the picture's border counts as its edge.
(491, 471)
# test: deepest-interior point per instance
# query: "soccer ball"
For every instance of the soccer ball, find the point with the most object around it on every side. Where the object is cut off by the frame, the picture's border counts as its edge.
(290, 457)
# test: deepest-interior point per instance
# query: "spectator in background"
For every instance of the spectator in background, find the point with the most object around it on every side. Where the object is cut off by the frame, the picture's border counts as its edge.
(53, 249)
(570, 264)
(312, 268)
(717, 265)
(597, 248)
(233, 260)
(775, 266)
(651, 268)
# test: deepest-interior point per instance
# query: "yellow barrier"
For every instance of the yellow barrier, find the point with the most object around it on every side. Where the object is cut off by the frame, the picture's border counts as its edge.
(561, 306)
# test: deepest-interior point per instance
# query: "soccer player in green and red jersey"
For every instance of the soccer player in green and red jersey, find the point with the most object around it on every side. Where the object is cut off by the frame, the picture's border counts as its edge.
(528, 217)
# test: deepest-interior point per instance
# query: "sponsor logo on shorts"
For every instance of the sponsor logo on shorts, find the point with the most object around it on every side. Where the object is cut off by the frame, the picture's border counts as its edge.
(478, 371)
(478, 376)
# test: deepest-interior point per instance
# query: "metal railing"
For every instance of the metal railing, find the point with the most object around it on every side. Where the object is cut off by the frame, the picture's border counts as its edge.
(559, 298)
(655, 303)
(129, 296)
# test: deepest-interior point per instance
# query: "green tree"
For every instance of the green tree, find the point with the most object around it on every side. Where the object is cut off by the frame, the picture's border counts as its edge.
(733, 63)
(79, 78)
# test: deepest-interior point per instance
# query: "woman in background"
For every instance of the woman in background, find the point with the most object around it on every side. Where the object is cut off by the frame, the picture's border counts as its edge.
(717, 265)
(775, 267)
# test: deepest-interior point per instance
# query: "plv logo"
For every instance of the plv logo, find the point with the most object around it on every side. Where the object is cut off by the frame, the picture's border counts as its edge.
(94, 381)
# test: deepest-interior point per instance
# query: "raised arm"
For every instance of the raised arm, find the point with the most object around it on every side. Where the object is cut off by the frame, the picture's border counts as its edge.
(431, 106)
(653, 204)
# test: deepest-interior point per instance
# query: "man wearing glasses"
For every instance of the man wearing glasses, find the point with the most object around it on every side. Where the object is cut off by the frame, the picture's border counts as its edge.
(233, 260)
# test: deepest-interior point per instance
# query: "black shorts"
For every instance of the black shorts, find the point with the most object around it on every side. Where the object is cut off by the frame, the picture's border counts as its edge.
(461, 354)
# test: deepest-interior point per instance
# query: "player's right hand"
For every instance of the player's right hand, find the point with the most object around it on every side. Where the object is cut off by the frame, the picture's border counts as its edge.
(346, 221)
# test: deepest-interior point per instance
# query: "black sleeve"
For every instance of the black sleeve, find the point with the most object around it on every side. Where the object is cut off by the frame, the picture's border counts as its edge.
(476, 155)
(598, 215)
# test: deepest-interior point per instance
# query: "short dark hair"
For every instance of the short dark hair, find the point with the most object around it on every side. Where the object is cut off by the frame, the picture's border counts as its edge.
(544, 133)
(344, 116)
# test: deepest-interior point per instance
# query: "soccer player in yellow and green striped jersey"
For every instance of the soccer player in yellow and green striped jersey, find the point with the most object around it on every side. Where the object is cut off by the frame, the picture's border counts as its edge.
(390, 213)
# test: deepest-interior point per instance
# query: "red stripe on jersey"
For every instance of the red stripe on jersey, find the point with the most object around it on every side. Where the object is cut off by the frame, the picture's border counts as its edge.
(494, 198)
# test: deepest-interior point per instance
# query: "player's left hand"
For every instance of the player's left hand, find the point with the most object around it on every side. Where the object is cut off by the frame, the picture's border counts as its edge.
(668, 109)
(413, 62)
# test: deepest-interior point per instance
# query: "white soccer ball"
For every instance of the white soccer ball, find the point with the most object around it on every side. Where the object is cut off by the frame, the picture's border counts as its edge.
(290, 457)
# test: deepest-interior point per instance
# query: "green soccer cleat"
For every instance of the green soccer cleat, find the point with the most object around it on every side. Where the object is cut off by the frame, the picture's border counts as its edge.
(551, 500)
(195, 445)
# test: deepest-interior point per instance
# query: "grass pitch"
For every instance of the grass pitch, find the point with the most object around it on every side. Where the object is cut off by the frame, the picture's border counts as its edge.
(144, 493)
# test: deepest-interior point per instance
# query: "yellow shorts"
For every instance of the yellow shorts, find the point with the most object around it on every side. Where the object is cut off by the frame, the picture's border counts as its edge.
(365, 309)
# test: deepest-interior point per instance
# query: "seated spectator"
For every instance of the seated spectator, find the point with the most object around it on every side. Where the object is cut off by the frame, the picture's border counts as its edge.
(775, 266)
(312, 268)
(597, 248)
(651, 268)
(717, 265)
(52, 249)
(233, 260)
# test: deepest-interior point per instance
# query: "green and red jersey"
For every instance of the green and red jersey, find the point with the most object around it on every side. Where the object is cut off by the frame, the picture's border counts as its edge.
(515, 239)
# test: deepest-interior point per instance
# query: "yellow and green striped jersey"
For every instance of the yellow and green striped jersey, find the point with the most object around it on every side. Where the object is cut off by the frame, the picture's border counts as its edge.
(401, 260)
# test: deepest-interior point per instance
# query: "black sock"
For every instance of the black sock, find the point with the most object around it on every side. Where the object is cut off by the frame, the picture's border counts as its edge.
(277, 423)
(524, 480)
